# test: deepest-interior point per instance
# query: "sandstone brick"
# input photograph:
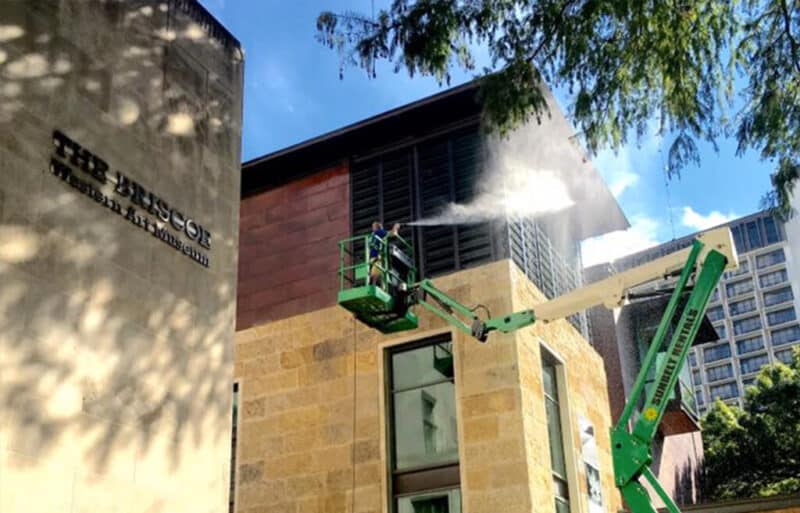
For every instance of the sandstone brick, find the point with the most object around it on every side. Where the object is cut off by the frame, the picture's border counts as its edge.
(325, 370)
(369, 473)
(333, 458)
(366, 361)
(336, 503)
(510, 474)
(479, 429)
(251, 472)
(313, 504)
(335, 434)
(302, 418)
(304, 485)
(369, 495)
(287, 466)
(368, 427)
(332, 348)
(366, 451)
(489, 403)
(300, 441)
(296, 358)
(478, 478)
(340, 479)
(254, 408)
(269, 492)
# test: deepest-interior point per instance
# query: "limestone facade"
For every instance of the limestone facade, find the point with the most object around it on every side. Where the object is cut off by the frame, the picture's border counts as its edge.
(313, 429)
(115, 337)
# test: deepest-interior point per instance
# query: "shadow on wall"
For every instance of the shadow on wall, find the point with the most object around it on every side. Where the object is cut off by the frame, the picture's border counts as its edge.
(687, 484)
(111, 341)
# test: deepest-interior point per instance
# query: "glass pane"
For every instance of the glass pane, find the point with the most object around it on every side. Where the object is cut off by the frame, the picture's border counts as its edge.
(549, 380)
(556, 441)
(422, 366)
(771, 229)
(446, 501)
(753, 235)
(425, 426)
(562, 506)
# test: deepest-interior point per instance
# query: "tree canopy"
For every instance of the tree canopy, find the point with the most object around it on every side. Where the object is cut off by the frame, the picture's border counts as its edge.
(755, 451)
(702, 69)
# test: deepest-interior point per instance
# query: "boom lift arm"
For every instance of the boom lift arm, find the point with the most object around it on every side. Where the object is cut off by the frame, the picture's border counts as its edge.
(387, 307)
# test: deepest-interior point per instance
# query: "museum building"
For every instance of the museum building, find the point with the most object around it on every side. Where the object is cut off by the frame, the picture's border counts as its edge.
(120, 136)
(335, 416)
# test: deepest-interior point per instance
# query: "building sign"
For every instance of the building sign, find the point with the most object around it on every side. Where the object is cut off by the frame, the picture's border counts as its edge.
(130, 200)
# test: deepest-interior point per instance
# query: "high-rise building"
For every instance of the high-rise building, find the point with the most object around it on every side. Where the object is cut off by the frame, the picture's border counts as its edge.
(754, 308)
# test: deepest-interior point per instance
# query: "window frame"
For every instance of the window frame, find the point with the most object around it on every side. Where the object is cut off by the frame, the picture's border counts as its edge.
(565, 414)
(439, 477)
(235, 458)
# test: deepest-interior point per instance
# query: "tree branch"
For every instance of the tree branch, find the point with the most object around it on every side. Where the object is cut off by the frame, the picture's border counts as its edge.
(787, 26)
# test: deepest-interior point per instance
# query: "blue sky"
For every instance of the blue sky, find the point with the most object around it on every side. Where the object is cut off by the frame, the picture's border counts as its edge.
(293, 92)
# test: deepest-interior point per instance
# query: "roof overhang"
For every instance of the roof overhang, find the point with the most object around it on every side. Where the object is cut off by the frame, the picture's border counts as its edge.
(595, 210)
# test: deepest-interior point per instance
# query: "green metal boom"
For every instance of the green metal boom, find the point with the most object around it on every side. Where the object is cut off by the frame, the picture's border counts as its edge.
(631, 450)
(381, 291)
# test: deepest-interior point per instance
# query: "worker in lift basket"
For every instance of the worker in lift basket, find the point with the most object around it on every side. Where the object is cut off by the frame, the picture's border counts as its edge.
(376, 241)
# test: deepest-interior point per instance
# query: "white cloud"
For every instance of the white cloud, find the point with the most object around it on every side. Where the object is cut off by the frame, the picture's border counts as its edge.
(621, 181)
(642, 234)
(619, 168)
(697, 221)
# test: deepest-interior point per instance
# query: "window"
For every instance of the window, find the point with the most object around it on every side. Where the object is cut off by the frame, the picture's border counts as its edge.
(775, 297)
(748, 382)
(693, 359)
(784, 355)
(749, 345)
(424, 438)
(697, 378)
(743, 268)
(698, 395)
(785, 335)
(714, 353)
(773, 257)
(781, 316)
(722, 332)
(726, 391)
(719, 373)
(234, 435)
(738, 239)
(716, 313)
(753, 235)
(740, 307)
(445, 501)
(715, 295)
(771, 229)
(558, 460)
(748, 325)
(773, 278)
(753, 364)
(739, 287)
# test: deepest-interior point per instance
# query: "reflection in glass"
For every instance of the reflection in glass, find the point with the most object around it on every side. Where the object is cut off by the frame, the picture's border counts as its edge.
(445, 501)
(425, 426)
(423, 366)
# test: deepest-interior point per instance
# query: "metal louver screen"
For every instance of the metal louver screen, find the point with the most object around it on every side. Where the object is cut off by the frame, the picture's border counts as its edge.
(416, 182)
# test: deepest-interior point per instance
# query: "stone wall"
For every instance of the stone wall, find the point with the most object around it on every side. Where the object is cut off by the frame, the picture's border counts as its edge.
(116, 342)
(312, 427)
(289, 246)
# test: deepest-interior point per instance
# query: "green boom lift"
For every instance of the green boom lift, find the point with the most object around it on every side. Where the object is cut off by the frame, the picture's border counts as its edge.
(387, 303)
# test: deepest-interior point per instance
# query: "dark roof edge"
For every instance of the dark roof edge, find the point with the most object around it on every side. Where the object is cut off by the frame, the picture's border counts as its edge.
(360, 124)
